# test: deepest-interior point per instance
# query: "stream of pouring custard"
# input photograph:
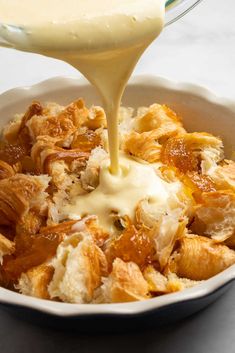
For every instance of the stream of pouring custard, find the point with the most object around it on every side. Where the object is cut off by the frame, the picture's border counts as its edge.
(103, 39)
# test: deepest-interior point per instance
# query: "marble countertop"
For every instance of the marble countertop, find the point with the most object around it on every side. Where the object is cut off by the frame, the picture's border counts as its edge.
(200, 48)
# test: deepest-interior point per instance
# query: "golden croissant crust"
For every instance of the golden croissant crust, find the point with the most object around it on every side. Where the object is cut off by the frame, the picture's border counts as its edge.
(19, 194)
(51, 155)
(199, 258)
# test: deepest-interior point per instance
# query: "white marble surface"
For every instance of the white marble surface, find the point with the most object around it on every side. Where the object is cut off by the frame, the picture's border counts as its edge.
(200, 48)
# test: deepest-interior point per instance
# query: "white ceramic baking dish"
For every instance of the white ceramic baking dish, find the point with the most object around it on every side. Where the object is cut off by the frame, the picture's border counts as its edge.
(201, 111)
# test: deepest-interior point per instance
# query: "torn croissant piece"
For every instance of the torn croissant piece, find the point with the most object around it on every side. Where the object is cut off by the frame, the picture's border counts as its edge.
(7, 247)
(31, 251)
(19, 194)
(224, 175)
(45, 153)
(16, 143)
(215, 216)
(153, 128)
(34, 250)
(176, 152)
(90, 176)
(156, 117)
(41, 148)
(166, 224)
(96, 118)
(194, 184)
(85, 141)
(126, 124)
(98, 234)
(63, 123)
(24, 240)
(176, 284)
(76, 111)
(34, 109)
(133, 245)
(157, 282)
(197, 184)
(52, 109)
(6, 170)
(190, 152)
(35, 281)
(57, 162)
(68, 157)
(59, 127)
(167, 231)
(199, 258)
(144, 146)
(15, 129)
(125, 284)
(79, 265)
(144, 215)
(160, 284)
(89, 225)
(92, 118)
(180, 204)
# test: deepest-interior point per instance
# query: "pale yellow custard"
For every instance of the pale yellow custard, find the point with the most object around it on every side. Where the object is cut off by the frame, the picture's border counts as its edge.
(103, 39)
(119, 195)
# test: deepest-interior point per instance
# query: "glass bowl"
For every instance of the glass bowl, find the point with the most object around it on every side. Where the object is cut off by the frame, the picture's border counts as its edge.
(175, 9)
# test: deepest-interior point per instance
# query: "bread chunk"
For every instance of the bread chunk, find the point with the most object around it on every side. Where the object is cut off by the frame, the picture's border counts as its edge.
(215, 216)
(199, 258)
(79, 265)
(224, 175)
(168, 283)
(125, 284)
(35, 281)
(152, 128)
(19, 194)
(197, 151)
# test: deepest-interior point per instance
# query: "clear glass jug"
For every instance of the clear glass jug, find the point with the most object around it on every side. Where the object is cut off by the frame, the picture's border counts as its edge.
(175, 9)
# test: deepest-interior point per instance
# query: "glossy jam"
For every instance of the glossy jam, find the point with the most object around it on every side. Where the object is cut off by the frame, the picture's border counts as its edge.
(134, 245)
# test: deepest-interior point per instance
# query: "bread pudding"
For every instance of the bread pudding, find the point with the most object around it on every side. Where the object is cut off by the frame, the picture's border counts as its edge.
(57, 243)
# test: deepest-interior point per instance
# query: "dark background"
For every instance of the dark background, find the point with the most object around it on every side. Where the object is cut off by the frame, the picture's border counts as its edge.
(209, 331)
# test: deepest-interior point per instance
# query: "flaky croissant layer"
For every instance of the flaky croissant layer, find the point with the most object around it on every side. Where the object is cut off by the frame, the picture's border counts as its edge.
(52, 154)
